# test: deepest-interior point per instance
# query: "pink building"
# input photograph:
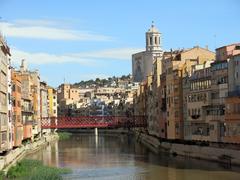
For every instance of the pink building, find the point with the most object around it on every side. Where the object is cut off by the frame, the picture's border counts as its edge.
(225, 52)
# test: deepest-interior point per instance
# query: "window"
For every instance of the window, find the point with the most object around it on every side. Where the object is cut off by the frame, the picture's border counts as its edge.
(4, 137)
(13, 88)
(151, 41)
(176, 113)
(18, 89)
(19, 103)
(14, 102)
(199, 111)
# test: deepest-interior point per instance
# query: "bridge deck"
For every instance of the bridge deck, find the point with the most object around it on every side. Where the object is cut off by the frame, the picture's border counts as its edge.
(93, 122)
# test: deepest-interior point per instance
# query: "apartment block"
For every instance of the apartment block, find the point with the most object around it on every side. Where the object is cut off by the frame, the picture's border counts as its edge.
(197, 99)
(232, 101)
(178, 66)
(5, 104)
(44, 104)
(30, 101)
(156, 112)
(139, 100)
(52, 102)
(17, 108)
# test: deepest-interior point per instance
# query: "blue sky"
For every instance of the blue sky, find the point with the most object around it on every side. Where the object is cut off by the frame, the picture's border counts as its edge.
(80, 40)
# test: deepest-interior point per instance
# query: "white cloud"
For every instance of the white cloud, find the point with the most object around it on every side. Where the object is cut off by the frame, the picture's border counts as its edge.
(84, 58)
(117, 53)
(37, 22)
(47, 29)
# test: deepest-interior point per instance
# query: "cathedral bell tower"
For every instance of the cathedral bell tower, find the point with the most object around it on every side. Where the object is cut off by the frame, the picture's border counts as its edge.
(153, 39)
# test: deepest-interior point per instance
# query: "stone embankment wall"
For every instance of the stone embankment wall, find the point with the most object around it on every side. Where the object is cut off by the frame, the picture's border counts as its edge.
(224, 155)
(16, 154)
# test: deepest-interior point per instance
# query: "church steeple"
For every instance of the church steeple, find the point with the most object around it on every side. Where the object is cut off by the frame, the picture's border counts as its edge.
(23, 66)
(153, 39)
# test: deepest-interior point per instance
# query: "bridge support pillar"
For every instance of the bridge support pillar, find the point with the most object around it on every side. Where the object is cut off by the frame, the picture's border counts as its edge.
(96, 131)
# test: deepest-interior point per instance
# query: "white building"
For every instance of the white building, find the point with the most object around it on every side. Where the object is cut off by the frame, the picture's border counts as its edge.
(10, 110)
(142, 62)
(5, 104)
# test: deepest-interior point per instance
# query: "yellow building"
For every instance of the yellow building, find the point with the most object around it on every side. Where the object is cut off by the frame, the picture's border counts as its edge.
(52, 102)
(179, 65)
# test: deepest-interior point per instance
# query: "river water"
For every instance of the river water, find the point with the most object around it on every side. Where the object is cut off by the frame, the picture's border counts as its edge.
(120, 157)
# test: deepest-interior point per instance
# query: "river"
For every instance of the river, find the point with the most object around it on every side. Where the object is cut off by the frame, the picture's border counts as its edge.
(120, 157)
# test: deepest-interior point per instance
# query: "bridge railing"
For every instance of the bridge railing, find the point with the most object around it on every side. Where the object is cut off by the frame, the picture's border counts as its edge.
(93, 121)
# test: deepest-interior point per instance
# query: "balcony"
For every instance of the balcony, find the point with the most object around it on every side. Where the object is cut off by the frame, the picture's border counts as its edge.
(214, 118)
(200, 137)
(27, 109)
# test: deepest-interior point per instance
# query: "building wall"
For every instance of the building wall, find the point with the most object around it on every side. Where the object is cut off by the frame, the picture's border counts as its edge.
(27, 104)
(142, 62)
(52, 102)
(5, 129)
(35, 91)
(198, 99)
(63, 92)
(234, 73)
(178, 66)
(232, 120)
(225, 52)
(156, 111)
(17, 108)
(43, 100)
(232, 102)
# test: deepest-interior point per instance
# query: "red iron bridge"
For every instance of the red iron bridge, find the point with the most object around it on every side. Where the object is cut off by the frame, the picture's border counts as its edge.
(93, 122)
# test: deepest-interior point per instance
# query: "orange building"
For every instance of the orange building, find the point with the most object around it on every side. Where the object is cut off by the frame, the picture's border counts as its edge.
(232, 119)
(27, 106)
(17, 110)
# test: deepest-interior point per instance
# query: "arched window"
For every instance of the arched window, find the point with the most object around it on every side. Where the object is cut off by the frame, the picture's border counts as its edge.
(156, 40)
(151, 41)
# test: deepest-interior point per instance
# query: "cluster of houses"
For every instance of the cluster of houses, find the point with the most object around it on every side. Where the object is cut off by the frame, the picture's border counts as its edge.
(189, 94)
(96, 101)
(24, 100)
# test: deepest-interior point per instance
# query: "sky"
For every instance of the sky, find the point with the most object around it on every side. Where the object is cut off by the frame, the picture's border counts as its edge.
(70, 41)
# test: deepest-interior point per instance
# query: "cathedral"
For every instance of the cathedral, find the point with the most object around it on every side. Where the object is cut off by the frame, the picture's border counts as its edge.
(142, 62)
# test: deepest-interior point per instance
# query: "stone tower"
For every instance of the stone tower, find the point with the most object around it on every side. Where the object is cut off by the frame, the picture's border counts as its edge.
(153, 39)
(23, 66)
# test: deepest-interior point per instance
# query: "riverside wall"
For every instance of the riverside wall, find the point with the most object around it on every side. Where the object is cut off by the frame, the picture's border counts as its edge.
(217, 154)
(17, 154)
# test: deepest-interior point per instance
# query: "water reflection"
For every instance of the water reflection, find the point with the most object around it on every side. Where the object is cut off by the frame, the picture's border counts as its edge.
(120, 157)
